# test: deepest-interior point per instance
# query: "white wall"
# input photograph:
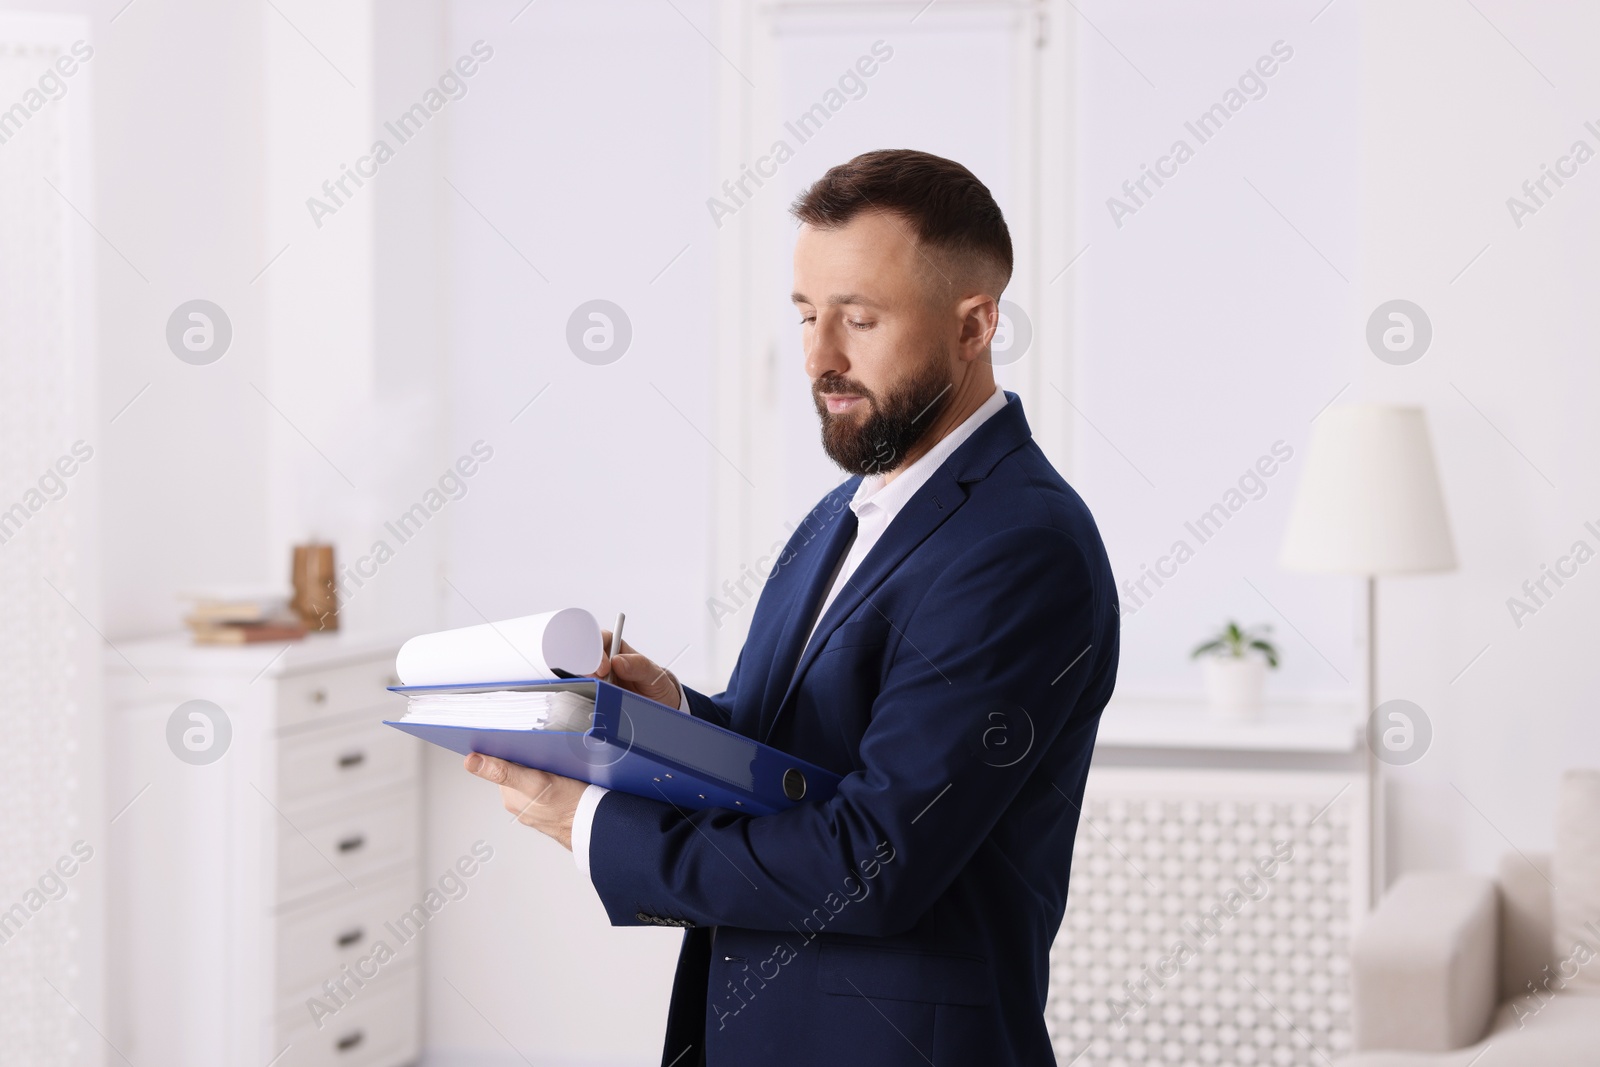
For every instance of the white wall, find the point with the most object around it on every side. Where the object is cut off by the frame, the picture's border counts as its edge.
(1455, 119)
(1208, 329)
(177, 160)
(582, 157)
(212, 124)
(355, 303)
(985, 85)
(170, 214)
(203, 159)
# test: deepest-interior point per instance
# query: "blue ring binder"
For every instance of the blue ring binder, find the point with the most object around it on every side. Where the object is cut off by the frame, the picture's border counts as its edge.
(641, 747)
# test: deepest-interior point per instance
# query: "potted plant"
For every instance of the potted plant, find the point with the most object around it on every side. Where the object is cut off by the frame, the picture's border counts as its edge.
(1235, 666)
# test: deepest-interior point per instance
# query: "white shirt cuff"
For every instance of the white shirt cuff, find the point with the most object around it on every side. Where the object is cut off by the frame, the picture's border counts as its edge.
(583, 818)
(583, 823)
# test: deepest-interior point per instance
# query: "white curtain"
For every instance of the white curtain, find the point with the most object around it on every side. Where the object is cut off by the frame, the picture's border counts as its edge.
(47, 651)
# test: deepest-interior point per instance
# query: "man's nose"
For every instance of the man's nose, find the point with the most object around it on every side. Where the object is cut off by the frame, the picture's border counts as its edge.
(824, 354)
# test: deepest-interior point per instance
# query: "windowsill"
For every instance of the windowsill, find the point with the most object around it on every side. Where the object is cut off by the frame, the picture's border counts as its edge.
(1179, 724)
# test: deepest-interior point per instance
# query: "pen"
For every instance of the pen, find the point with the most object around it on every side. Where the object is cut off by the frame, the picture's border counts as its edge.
(616, 634)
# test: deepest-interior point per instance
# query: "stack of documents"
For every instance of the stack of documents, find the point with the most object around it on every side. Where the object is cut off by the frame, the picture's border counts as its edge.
(522, 690)
(503, 709)
(488, 669)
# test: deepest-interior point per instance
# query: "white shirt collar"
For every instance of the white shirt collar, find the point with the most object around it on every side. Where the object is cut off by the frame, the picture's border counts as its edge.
(872, 494)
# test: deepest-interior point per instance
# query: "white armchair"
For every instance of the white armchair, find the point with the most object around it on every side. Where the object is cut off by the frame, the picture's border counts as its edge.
(1424, 965)
(1454, 970)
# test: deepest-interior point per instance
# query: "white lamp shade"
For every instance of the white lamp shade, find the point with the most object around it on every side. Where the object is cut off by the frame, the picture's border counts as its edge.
(1369, 501)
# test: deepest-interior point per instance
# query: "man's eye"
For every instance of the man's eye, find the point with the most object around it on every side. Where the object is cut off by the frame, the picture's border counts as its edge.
(807, 318)
(854, 325)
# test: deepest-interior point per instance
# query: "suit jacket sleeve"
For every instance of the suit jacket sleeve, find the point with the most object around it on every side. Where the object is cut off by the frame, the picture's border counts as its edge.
(997, 644)
(719, 708)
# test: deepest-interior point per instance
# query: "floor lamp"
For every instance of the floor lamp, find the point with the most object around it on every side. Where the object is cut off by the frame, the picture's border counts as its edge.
(1369, 504)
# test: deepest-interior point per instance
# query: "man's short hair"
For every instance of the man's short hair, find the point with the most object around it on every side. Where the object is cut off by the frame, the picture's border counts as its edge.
(945, 205)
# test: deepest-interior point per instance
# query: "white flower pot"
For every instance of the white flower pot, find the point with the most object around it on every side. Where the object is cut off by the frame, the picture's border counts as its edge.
(1233, 685)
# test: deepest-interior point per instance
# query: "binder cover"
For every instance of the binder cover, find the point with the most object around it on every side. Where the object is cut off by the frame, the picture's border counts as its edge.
(642, 747)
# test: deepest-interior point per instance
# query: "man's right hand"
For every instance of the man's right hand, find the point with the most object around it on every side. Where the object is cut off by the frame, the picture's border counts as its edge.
(638, 674)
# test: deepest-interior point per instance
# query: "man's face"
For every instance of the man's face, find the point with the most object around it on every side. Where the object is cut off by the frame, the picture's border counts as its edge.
(880, 366)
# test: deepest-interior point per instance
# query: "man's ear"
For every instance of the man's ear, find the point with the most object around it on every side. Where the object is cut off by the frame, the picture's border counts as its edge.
(980, 318)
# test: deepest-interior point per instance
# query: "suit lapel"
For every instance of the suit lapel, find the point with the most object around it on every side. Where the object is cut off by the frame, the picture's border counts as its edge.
(938, 499)
(830, 545)
(923, 514)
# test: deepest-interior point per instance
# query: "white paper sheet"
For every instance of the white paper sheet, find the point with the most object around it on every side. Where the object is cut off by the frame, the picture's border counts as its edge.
(503, 710)
(514, 650)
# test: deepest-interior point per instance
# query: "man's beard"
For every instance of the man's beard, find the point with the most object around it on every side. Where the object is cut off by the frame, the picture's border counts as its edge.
(895, 423)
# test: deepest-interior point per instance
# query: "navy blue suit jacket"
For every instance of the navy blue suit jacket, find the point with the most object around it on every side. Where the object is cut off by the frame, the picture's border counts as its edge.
(956, 682)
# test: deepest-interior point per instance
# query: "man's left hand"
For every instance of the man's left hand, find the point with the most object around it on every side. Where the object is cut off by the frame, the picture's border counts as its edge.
(544, 801)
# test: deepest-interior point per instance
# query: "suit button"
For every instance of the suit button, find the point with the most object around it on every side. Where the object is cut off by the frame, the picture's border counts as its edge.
(642, 917)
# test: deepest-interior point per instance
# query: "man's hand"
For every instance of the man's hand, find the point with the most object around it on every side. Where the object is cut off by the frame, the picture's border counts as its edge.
(637, 673)
(547, 802)
(538, 799)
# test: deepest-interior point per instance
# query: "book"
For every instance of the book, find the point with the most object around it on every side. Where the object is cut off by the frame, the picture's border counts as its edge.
(243, 604)
(220, 611)
(208, 633)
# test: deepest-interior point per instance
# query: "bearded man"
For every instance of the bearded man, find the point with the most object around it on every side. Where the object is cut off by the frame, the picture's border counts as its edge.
(941, 631)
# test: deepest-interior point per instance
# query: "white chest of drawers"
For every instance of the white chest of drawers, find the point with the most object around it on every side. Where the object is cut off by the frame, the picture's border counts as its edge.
(254, 893)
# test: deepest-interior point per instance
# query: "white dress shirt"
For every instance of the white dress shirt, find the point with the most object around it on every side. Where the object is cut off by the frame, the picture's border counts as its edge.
(875, 504)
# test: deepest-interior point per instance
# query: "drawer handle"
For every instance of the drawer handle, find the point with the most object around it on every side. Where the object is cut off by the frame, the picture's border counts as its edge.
(353, 842)
(350, 1040)
(352, 759)
(351, 937)
(319, 696)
